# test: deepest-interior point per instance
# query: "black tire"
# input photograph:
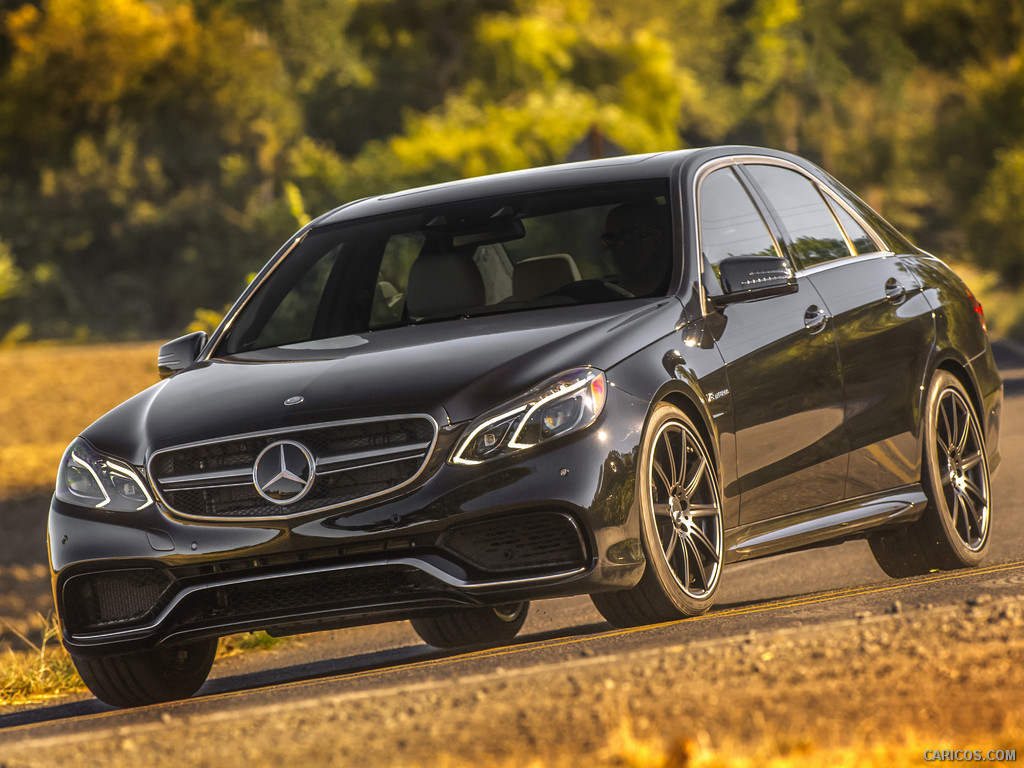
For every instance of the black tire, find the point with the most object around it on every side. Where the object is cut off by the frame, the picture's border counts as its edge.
(954, 530)
(149, 677)
(680, 504)
(472, 626)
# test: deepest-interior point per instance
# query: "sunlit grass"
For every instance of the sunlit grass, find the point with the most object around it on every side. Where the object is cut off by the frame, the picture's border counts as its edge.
(250, 641)
(623, 748)
(44, 671)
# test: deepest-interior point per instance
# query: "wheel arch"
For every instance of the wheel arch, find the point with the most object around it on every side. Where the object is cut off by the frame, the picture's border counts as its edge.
(961, 370)
(687, 398)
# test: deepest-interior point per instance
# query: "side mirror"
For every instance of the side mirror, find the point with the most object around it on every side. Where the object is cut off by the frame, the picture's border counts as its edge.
(754, 277)
(179, 354)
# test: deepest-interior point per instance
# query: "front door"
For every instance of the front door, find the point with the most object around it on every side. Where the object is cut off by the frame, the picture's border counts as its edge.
(783, 368)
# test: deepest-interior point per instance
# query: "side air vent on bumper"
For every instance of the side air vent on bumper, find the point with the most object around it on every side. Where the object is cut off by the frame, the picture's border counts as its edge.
(94, 602)
(523, 542)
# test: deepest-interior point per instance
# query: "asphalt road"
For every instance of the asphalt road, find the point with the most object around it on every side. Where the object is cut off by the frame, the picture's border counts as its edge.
(779, 594)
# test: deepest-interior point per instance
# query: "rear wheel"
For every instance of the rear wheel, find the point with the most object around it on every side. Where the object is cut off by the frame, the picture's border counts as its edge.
(148, 677)
(472, 626)
(681, 526)
(954, 530)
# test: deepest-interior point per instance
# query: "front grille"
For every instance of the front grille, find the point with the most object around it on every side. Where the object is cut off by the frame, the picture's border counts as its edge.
(518, 542)
(106, 600)
(353, 461)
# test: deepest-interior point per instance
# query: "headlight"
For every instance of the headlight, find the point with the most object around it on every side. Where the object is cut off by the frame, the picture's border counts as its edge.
(559, 406)
(89, 479)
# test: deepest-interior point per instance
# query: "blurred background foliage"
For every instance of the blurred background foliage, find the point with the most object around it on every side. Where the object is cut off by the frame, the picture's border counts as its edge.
(154, 153)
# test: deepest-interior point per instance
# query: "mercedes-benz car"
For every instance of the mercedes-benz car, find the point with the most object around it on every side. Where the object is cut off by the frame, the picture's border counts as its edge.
(611, 378)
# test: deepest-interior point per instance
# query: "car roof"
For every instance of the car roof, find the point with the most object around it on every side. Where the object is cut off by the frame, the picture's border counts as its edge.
(610, 170)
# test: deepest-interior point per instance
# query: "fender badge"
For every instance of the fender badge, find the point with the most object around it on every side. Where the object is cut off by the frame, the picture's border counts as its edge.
(294, 400)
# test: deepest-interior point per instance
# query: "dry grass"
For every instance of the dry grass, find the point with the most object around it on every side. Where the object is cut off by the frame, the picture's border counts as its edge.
(46, 670)
(43, 672)
(51, 393)
(626, 750)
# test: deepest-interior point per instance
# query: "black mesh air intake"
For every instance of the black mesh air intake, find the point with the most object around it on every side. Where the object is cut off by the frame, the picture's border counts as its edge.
(521, 542)
(101, 601)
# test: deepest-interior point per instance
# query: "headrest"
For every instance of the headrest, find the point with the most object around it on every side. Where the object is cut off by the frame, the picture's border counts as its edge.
(443, 284)
(540, 275)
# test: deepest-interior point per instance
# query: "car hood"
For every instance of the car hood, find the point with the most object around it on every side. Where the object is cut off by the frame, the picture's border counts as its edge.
(452, 370)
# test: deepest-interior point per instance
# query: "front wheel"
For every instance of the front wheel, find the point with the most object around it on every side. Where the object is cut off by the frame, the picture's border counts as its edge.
(954, 530)
(148, 677)
(472, 626)
(681, 526)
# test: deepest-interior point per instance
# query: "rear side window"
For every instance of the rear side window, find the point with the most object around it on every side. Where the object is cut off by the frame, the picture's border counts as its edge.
(730, 223)
(814, 234)
(862, 241)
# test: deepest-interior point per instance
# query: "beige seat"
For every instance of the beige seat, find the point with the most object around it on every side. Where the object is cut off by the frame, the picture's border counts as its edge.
(442, 284)
(541, 275)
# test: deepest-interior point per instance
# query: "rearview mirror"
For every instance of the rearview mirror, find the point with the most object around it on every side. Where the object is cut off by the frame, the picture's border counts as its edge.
(754, 277)
(179, 354)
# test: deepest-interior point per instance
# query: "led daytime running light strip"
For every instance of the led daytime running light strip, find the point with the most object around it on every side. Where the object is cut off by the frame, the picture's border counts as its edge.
(468, 442)
(116, 470)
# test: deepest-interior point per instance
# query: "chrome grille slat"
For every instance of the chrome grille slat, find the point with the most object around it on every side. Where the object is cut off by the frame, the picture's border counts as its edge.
(355, 460)
(366, 465)
(204, 479)
(420, 449)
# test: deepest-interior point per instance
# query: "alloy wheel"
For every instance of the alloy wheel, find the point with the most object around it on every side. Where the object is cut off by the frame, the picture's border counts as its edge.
(961, 469)
(687, 511)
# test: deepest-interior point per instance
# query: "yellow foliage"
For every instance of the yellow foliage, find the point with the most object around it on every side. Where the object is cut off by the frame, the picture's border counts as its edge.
(123, 40)
(205, 320)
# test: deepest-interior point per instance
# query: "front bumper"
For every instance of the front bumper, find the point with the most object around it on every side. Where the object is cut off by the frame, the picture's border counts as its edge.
(557, 520)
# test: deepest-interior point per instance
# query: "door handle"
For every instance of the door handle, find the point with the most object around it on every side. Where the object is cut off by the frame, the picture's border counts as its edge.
(894, 291)
(815, 319)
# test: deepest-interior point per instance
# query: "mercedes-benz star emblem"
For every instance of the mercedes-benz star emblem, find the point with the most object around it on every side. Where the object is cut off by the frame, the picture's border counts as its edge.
(283, 472)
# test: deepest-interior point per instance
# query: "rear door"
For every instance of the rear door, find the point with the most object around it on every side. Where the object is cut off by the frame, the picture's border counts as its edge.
(883, 323)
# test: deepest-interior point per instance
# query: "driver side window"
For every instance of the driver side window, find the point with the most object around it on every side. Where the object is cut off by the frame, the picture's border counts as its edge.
(730, 224)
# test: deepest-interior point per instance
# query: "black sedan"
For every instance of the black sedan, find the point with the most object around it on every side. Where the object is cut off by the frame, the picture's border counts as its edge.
(612, 378)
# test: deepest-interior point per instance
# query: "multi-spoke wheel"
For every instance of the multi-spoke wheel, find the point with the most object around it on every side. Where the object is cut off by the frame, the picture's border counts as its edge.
(954, 530)
(681, 523)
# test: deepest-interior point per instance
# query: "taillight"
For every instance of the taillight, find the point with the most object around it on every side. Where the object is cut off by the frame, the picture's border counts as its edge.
(976, 306)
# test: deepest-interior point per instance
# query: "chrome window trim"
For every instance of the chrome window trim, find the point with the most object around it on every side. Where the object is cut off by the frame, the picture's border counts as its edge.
(293, 431)
(717, 163)
(837, 263)
(702, 172)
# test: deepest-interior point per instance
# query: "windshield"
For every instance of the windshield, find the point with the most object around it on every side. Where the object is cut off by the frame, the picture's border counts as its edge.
(495, 255)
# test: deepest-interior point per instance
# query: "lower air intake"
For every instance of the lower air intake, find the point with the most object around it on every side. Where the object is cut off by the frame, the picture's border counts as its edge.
(523, 542)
